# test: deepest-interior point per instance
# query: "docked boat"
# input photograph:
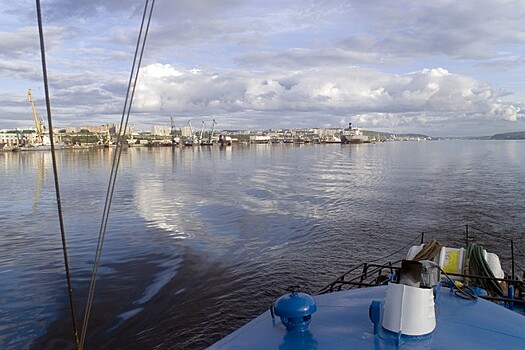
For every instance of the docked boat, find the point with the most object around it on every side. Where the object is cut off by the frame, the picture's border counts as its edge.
(189, 141)
(208, 141)
(43, 145)
(436, 298)
(353, 135)
(331, 139)
(224, 140)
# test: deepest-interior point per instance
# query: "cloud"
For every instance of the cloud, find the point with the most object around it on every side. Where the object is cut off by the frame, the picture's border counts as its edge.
(266, 64)
(60, 10)
(24, 42)
(18, 43)
(466, 29)
(344, 92)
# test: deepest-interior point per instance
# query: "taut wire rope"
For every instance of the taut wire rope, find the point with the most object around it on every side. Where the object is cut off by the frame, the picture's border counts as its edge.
(132, 83)
(55, 172)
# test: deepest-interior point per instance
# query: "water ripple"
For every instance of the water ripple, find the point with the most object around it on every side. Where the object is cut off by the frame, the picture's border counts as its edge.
(196, 234)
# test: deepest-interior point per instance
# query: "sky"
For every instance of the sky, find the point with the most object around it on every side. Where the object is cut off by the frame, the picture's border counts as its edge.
(439, 68)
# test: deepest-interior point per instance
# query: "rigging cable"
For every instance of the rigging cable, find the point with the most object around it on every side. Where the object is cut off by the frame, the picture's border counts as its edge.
(491, 235)
(354, 267)
(55, 171)
(132, 83)
(399, 250)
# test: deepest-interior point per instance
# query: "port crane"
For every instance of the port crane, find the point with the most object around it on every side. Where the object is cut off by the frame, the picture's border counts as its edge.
(38, 125)
(202, 132)
(174, 139)
(212, 127)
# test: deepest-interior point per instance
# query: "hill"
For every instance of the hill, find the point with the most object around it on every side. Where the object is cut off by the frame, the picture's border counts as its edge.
(378, 135)
(519, 135)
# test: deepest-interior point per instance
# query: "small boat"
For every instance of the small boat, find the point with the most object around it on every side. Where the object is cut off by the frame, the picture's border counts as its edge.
(436, 298)
(224, 140)
(330, 139)
(45, 145)
(188, 141)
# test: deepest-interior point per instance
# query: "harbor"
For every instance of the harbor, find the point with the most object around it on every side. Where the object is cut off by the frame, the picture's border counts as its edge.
(163, 136)
(249, 187)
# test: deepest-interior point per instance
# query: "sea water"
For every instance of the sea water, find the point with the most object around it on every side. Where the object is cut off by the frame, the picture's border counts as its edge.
(202, 239)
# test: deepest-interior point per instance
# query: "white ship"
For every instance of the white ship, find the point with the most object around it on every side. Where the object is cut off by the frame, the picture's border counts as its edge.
(353, 135)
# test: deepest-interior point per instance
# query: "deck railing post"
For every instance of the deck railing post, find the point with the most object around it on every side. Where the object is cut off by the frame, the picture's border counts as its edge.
(364, 274)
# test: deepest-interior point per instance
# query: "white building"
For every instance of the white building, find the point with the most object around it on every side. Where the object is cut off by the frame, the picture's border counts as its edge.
(260, 139)
(187, 131)
(10, 138)
(160, 130)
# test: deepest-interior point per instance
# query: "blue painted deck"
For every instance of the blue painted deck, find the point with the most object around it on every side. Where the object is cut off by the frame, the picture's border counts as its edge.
(342, 322)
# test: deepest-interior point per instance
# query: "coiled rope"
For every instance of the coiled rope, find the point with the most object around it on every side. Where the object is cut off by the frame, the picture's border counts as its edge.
(429, 251)
(477, 265)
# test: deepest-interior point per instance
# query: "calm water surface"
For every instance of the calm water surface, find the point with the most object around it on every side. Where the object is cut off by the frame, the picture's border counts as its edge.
(200, 240)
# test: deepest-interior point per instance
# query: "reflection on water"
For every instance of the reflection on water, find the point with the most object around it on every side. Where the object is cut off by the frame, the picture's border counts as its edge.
(194, 233)
(39, 178)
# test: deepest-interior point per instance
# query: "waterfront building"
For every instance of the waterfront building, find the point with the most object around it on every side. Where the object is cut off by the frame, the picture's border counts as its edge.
(260, 139)
(187, 130)
(10, 138)
(161, 130)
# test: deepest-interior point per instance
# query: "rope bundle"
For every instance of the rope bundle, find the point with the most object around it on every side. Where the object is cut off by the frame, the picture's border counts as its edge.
(429, 251)
(477, 265)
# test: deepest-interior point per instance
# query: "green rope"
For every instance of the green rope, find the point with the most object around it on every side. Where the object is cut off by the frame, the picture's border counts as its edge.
(478, 265)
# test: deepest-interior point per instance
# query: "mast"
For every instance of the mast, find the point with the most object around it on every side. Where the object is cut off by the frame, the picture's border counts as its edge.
(172, 131)
(202, 131)
(212, 126)
(192, 131)
(172, 126)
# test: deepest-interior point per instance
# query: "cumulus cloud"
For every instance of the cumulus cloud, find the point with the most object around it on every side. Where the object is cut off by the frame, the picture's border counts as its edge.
(269, 64)
(429, 94)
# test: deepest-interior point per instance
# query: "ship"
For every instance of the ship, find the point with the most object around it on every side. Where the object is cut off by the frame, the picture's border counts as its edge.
(428, 300)
(353, 135)
(455, 298)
